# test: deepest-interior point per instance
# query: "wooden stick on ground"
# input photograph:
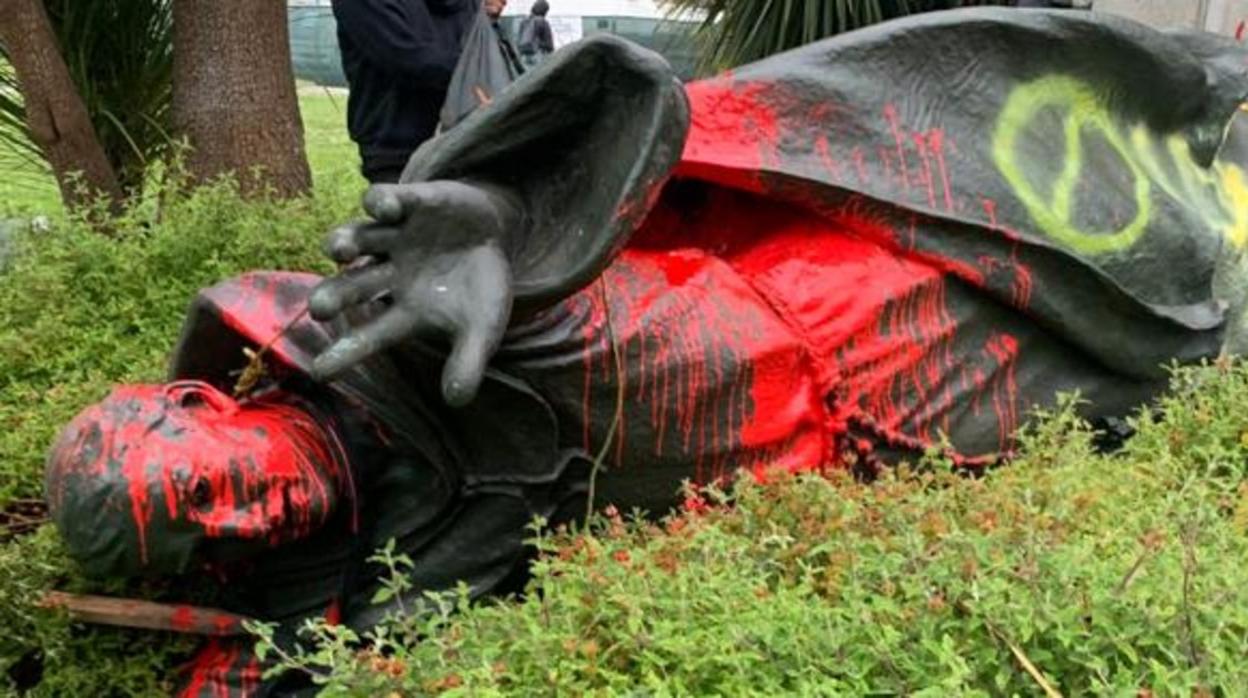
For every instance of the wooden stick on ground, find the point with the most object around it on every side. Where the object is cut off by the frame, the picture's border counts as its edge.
(134, 613)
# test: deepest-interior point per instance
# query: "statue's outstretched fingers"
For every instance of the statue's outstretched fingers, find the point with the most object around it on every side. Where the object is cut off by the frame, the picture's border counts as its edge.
(378, 240)
(394, 203)
(461, 376)
(341, 245)
(471, 350)
(384, 331)
(480, 314)
(351, 287)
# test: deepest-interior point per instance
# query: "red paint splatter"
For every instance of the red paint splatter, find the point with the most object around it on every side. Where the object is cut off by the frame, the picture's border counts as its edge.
(886, 162)
(264, 470)
(1003, 349)
(860, 164)
(333, 614)
(990, 210)
(224, 625)
(733, 354)
(710, 354)
(222, 669)
(186, 619)
(1020, 292)
(936, 141)
(183, 618)
(1022, 285)
(733, 134)
(824, 151)
(920, 142)
(894, 125)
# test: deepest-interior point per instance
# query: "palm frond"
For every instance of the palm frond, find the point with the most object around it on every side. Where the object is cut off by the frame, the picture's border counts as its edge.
(734, 32)
(13, 134)
(120, 56)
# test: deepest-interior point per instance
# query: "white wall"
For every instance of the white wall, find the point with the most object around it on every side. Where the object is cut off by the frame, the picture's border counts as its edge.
(1220, 16)
(606, 8)
(1159, 13)
(1224, 16)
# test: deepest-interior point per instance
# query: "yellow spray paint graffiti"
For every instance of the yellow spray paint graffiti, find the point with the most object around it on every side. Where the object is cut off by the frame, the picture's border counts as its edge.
(1217, 196)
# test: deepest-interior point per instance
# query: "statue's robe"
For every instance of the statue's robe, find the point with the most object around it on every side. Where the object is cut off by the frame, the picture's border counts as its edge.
(907, 237)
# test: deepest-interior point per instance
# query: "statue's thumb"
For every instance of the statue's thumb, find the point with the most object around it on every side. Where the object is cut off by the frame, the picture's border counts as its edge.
(484, 309)
(465, 367)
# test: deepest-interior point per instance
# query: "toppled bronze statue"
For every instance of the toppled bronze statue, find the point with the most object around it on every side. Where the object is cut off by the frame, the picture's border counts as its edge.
(900, 239)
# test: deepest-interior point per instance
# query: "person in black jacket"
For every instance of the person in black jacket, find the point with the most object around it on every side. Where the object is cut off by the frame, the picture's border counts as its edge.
(398, 56)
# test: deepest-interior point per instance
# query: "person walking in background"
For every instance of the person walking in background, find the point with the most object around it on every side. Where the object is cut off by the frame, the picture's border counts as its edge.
(536, 41)
(398, 56)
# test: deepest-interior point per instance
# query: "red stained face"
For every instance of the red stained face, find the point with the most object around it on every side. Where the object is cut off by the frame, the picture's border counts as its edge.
(153, 477)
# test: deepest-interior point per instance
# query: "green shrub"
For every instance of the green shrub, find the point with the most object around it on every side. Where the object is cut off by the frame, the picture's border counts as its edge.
(1113, 575)
(80, 311)
(43, 649)
(124, 79)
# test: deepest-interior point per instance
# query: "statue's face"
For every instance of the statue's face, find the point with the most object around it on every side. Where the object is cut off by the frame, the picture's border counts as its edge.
(161, 478)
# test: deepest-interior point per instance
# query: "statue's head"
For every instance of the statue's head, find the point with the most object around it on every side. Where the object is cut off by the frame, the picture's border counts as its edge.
(165, 478)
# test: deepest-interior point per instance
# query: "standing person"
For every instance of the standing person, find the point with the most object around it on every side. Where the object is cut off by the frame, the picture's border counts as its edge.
(536, 40)
(398, 56)
(509, 49)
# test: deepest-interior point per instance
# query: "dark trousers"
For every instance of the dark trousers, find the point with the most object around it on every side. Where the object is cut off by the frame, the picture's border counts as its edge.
(381, 175)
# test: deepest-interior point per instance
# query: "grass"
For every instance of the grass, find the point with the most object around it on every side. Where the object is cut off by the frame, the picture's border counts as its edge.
(331, 154)
(27, 189)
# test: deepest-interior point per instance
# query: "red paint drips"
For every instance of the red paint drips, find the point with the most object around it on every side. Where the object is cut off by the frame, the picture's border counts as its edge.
(183, 618)
(824, 151)
(222, 669)
(936, 141)
(894, 125)
(731, 356)
(929, 185)
(860, 165)
(333, 614)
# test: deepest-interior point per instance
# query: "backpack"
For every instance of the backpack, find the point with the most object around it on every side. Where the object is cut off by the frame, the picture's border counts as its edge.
(487, 65)
(526, 42)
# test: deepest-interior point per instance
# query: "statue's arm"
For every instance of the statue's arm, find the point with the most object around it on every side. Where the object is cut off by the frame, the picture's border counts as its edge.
(521, 205)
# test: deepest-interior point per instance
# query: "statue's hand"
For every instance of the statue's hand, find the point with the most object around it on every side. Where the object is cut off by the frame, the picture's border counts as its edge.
(438, 252)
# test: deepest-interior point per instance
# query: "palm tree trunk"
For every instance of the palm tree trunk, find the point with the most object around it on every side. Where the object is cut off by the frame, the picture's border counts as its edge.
(55, 113)
(234, 94)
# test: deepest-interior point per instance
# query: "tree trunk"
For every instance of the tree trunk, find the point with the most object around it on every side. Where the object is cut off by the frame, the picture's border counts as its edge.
(234, 94)
(57, 118)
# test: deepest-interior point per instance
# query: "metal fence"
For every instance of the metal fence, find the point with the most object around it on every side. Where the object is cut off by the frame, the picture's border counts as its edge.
(314, 40)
